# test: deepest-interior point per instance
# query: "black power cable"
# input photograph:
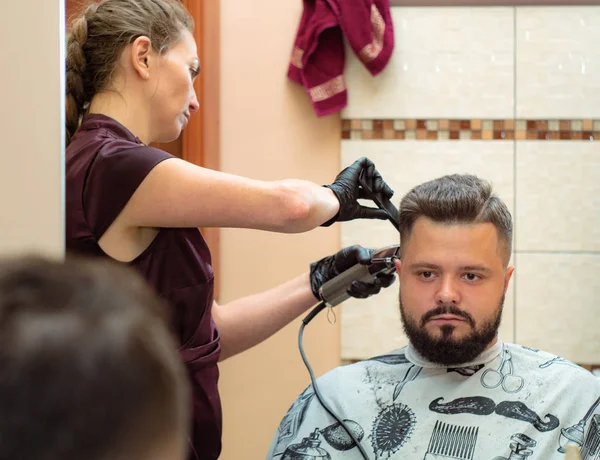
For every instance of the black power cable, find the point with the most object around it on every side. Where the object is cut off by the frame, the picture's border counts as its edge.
(320, 306)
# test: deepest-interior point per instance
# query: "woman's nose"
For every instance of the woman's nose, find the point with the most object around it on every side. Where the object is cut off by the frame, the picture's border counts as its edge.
(194, 104)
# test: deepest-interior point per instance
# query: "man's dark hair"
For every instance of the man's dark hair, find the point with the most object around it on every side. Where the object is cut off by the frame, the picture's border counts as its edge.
(457, 199)
(88, 368)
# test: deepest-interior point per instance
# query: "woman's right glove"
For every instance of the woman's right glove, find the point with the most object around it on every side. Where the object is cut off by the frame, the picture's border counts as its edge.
(348, 191)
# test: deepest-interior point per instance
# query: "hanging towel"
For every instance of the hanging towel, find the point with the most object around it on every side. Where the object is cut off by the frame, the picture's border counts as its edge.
(318, 57)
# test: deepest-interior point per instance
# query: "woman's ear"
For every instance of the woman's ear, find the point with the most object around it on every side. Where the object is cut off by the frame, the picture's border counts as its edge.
(142, 57)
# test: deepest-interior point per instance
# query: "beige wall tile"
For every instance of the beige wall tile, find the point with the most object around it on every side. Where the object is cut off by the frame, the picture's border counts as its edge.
(454, 62)
(558, 196)
(558, 62)
(372, 326)
(557, 297)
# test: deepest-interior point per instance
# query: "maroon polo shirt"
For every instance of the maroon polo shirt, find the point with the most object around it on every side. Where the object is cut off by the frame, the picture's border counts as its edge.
(105, 164)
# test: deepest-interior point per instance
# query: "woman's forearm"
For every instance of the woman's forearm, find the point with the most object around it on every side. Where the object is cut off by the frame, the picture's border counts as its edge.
(245, 322)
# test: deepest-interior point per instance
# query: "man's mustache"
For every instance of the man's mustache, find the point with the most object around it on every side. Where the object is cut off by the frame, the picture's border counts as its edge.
(480, 405)
(447, 310)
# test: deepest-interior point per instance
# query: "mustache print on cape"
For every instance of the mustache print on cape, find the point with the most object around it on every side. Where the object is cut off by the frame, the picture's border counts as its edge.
(480, 405)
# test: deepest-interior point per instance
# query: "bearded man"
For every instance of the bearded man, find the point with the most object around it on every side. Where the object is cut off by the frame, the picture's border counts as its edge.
(457, 391)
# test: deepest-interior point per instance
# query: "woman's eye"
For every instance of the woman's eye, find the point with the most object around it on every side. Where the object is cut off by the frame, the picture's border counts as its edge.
(194, 72)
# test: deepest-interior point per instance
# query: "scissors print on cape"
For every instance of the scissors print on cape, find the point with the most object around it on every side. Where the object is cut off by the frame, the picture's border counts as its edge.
(503, 376)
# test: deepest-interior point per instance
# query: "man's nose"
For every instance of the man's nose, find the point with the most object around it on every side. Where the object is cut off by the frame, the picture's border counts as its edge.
(448, 292)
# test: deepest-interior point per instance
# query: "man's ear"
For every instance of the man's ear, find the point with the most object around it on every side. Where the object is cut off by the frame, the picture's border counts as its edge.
(142, 56)
(509, 273)
(398, 263)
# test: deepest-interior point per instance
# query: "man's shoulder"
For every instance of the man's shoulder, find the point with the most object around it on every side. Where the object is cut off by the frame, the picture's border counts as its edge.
(545, 362)
(355, 369)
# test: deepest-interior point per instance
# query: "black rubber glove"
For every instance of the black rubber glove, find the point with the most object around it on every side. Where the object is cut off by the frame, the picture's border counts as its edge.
(348, 191)
(329, 267)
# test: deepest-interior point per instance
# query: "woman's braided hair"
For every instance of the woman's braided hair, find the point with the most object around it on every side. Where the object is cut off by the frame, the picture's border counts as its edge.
(99, 35)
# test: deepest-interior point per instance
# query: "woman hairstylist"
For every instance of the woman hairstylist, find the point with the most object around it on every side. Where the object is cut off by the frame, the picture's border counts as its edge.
(130, 71)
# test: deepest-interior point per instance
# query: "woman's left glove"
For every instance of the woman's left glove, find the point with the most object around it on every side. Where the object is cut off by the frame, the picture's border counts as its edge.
(329, 267)
(348, 191)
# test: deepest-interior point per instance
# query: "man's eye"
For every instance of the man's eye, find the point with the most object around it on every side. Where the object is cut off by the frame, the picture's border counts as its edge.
(471, 276)
(427, 275)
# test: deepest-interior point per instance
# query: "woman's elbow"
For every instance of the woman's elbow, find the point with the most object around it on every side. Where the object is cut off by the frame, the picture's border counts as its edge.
(295, 211)
(296, 217)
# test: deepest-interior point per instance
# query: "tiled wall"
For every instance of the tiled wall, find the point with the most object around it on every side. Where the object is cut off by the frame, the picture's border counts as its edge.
(512, 95)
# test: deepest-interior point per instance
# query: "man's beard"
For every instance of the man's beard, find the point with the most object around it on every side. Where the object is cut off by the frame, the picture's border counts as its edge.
(446, 350)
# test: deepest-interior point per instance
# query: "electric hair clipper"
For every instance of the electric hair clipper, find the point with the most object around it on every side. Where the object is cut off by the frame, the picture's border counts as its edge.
(334, 291)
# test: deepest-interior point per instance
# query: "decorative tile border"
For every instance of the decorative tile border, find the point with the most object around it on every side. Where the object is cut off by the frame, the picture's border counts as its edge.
(436, 129)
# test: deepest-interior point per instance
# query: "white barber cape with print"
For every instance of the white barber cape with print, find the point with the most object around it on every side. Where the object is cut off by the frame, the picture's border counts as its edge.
(512, 402)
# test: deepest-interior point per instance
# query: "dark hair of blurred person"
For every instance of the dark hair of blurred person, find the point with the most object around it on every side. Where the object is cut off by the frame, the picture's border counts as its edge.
(88, 368)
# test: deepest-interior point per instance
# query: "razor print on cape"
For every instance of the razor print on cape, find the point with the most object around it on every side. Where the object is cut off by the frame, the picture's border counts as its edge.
(557, 360)
(411, 374)
(395, 422)
(467, 371)
(479, 405)
(391, 360)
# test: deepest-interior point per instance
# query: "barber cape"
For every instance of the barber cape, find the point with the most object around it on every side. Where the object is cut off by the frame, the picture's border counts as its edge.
(512, 402)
